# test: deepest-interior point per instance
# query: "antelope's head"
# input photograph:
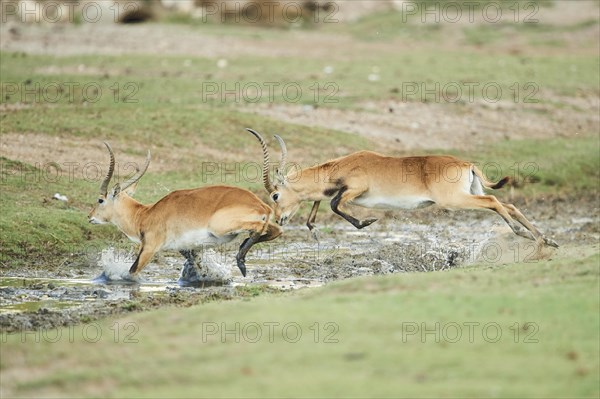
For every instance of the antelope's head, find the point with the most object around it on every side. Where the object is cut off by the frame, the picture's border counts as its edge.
(108, 204)
(286, 200)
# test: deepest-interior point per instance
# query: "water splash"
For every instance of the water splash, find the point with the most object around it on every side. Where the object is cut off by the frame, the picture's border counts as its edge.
(209, 269)
(115, 265)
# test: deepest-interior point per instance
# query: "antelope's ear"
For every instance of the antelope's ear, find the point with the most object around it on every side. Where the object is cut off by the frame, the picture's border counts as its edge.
(279, 178)
(131, 189)
(115, 191)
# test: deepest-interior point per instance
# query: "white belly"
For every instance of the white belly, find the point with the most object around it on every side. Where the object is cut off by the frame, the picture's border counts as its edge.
(400, 202)
(196, 238)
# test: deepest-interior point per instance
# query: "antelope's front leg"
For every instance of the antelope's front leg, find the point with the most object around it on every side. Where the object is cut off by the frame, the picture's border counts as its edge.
(142, 260)
(151, 244)
(244, 248)
(311, 220)
(271, 232)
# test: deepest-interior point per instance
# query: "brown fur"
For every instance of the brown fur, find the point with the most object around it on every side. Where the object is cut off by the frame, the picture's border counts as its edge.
(372, 180)
(185, 219)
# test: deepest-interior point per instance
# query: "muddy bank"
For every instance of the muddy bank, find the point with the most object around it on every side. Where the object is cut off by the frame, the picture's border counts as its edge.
(401, 242)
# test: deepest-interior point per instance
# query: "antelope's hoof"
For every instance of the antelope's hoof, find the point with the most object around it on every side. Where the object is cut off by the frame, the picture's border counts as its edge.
(550, 242)
(189, 274)
(367, 222)
(242, 267)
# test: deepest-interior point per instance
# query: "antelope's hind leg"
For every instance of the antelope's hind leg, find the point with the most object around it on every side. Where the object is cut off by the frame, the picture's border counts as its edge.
(515, 213)
(469, 201)
(189, 273)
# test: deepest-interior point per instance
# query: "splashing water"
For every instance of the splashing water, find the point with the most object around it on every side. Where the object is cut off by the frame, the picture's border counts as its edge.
(115, 265)
(208, 269)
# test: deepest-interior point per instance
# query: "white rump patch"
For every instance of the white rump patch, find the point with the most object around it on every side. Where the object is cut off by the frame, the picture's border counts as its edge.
(476, 188)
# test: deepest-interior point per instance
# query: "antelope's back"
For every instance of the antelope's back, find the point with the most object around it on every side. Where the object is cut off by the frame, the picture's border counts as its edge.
(200, 204)
(415, 175)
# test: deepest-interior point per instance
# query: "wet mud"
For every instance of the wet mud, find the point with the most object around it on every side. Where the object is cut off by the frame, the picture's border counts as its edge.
(421, 241)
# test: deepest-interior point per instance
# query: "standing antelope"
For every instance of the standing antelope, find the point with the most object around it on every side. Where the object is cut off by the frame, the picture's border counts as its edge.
(185, 219)
(373, 180)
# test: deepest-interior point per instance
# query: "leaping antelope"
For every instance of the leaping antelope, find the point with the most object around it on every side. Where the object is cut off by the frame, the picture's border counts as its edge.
(185, 219)
(372, 180)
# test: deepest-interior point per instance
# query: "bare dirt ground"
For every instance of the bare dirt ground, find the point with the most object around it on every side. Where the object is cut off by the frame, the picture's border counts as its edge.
(392, 125)
(111, 39)
(42, 150)
(170, 40)
(405, 126)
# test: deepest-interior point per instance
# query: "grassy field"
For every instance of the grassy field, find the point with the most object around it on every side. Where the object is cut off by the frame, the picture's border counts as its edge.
(526, 330)
(172, 118)
(515, 330)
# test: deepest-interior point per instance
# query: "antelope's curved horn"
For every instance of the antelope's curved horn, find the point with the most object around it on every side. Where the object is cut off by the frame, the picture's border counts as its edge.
(111, 169)
(266, 180)
(134, 179)
(281, 168)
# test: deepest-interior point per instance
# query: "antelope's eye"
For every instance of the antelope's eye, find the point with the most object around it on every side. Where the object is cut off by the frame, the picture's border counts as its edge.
(100, 201)
(275, 197)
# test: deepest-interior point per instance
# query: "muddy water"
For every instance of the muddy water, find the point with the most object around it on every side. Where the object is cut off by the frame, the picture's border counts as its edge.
(437, 242)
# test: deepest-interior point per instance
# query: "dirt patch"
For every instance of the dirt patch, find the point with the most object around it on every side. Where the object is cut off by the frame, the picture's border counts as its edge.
(68, 152)
(325, 41)
(419, 125)
(80, 155)
(562, 13)
(173, 40)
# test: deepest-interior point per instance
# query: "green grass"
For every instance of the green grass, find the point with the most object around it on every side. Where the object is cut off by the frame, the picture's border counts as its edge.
(38, 230)
(170, 113)
(165, 353)
(217, 129)
(558, 166)
(538, 33)
(375, 344)
(160, 83)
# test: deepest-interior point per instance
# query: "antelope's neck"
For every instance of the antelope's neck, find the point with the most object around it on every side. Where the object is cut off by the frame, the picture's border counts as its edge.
(129, 218)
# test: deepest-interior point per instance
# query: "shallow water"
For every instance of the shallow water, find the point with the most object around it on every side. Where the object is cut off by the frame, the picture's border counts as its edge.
(36, 298)
(32, 294)
(298, 262)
